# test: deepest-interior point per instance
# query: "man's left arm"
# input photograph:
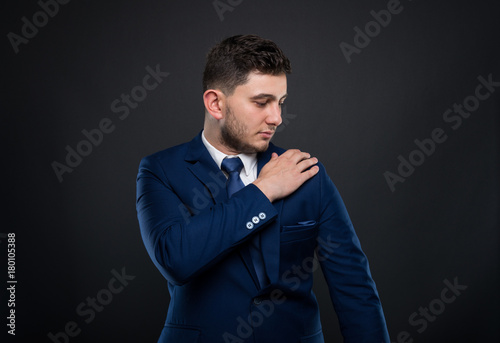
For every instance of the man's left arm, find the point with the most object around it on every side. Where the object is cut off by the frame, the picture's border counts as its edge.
(346, 270)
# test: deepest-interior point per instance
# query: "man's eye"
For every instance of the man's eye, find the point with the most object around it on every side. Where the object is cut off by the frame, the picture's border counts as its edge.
(261, 104)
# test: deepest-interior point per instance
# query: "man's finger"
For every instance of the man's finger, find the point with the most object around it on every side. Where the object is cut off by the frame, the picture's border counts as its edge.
(296, 155)
(307, 163)
(309, 173)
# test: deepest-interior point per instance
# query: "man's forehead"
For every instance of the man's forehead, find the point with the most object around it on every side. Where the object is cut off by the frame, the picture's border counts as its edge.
(261, 86)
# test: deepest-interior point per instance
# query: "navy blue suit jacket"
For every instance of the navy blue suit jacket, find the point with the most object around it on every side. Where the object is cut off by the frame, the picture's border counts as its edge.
(198, 239)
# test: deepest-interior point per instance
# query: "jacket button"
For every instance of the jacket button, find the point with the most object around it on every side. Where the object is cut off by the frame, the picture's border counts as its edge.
(257, 301)
(249, 225)
(262, 215)
(255, 220)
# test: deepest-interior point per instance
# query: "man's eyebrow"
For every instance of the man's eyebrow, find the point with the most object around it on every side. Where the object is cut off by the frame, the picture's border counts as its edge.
(266, 96)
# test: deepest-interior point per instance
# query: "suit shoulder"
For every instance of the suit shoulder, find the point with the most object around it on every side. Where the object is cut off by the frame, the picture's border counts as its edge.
(168, 154)
(276, 149)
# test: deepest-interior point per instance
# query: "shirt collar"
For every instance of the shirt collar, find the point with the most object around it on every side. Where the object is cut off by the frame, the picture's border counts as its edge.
(249, 160)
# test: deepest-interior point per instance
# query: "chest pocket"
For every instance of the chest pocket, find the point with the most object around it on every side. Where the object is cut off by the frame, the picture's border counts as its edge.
(301, 231)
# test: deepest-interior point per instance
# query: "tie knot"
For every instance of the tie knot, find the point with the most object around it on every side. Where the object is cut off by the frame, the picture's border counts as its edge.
(231, 165)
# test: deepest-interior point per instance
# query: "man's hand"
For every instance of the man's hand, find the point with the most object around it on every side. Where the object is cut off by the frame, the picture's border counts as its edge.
(284, 174)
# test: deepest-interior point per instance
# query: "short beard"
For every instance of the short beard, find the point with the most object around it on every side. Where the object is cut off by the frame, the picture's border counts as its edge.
(231, 132)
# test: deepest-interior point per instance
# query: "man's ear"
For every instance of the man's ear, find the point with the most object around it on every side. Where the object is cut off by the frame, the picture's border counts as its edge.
(214, 102)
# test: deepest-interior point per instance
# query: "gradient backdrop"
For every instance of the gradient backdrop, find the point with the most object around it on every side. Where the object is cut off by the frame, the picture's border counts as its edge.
(403, 111)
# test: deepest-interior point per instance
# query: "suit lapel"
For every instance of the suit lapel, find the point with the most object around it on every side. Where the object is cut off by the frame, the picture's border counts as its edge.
(247, 259)
(206, 170)
(270, 246)
(270, 236)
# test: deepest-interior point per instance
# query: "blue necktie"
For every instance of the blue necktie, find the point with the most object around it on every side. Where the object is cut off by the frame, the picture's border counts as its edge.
(233, 166)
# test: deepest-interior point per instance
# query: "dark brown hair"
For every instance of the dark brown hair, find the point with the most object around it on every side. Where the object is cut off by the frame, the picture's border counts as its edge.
(230, 61)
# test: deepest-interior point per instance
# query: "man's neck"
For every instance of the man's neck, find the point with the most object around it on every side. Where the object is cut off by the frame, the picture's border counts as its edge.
(214, 140)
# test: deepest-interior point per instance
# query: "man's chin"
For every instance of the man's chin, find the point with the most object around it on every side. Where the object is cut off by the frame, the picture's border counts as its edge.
(262, 146)
(255, 148)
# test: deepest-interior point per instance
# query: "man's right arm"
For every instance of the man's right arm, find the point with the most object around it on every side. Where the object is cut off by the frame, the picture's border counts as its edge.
(182, 248)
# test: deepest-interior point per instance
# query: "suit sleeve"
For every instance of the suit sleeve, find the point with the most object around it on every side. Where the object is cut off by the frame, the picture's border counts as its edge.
(346, 270)
(182, 247)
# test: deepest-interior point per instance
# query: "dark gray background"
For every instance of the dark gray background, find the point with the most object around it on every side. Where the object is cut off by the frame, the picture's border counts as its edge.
(357, 118)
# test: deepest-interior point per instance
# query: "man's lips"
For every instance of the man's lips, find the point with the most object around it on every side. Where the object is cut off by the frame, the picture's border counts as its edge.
(266, 134)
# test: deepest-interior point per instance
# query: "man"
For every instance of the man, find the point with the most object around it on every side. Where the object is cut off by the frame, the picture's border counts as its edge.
(233, 222)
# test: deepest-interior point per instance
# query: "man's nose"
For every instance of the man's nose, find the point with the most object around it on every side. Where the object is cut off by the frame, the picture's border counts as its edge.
(274, 116)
